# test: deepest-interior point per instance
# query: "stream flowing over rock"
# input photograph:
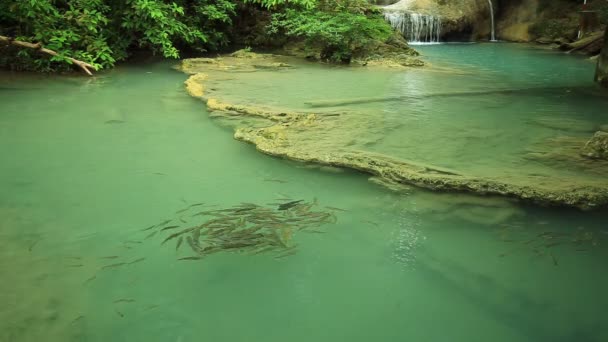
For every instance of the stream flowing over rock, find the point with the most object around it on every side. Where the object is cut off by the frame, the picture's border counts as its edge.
(337, 137)
(428, 21)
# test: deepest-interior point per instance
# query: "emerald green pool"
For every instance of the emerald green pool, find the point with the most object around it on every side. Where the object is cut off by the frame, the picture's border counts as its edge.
(88, 163)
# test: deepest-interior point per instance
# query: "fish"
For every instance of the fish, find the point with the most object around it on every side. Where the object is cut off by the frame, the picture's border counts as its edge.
(554, 259)
(274, 180)
(371, 222)
(33, 245)
(182, 220)
(582, 250)
(288, 205)
(119, 314)
(191, 258)
(124, 300)
(160, 173)
(334, 208)
(110, 257)
(132, 241)
(286, 253)
(151, 234)
(76, 265)
(313, 231)
(553, 244)
(89, 280)
(164, 222)
(77, 319)
(74, 257)
(169, 227)
(182, 210)
(191, 243)
(150, 307)
(136, 261)
(114, 265)
(179, 242)
(152, 226)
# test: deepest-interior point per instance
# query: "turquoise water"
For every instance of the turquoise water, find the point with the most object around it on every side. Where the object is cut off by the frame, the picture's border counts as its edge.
(88, 163)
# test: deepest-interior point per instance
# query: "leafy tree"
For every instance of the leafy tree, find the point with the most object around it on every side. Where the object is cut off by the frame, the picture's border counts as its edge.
(340, 29)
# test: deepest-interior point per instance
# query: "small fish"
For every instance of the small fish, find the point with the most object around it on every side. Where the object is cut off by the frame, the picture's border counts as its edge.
(182, 210)
(132, 241)
(152, 226)
(136, 261)
(312, 231)
(76, 265)
(582, 250)
(191, 258)
(114, 265)
(182, 220)
(124, 300)
(160, 173)
(77, 319)
(89, 280)
(151, 235)
(170, 227)
(274, 180)
(288, 205)
(556, 243)
(120, 314)
(286, 254)
(110, 257)
(74, 257)
(179, 242)
(334, 208)
(33, 245)
(554, 259)
(371, 222)
(164, 223)
(150, 307)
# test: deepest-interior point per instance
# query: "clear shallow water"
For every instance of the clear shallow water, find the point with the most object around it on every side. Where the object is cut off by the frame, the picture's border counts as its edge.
(88, 163)
(510, 102)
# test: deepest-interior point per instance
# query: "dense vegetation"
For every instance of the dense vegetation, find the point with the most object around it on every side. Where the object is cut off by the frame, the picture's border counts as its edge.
(103, 32)
(560, 18)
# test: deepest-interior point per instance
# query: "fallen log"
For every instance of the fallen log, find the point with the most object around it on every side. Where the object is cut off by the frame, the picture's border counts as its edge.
(82, 65)
(590, 44)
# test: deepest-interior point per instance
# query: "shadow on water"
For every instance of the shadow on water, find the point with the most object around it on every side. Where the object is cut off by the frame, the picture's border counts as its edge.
(511, 308)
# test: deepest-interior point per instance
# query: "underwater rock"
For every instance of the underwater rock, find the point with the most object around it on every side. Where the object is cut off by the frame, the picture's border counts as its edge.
(597, 146)
(332, 139)
(565, 124)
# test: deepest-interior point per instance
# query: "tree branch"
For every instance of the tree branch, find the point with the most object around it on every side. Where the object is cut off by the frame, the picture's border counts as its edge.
(83, 65)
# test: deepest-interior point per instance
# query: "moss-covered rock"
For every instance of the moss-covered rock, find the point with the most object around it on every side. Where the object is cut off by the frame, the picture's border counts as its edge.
(597, 146)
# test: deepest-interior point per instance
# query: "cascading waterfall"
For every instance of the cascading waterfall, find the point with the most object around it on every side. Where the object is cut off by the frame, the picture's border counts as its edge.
(417, 28)
(493, 38)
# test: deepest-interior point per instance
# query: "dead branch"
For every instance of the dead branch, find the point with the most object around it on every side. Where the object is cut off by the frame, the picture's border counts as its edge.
(83, 65)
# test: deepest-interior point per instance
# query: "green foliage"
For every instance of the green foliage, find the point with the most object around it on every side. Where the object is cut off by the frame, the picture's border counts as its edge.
(102, 32)
(340, 29)
(270, 4)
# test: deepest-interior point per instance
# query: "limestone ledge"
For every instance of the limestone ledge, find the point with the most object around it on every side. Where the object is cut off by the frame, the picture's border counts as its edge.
(285, 136)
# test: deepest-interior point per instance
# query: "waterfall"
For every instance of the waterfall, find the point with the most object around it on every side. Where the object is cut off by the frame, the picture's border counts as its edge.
(493, 37)
(417, 28)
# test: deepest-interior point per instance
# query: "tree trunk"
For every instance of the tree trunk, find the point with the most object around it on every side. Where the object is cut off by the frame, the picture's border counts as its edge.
(601, 73)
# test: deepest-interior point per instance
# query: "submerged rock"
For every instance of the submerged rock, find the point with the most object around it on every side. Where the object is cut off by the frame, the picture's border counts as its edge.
(333, 139)
(597, 146)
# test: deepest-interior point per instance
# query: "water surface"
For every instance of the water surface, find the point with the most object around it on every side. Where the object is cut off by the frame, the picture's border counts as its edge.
(88, 163)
